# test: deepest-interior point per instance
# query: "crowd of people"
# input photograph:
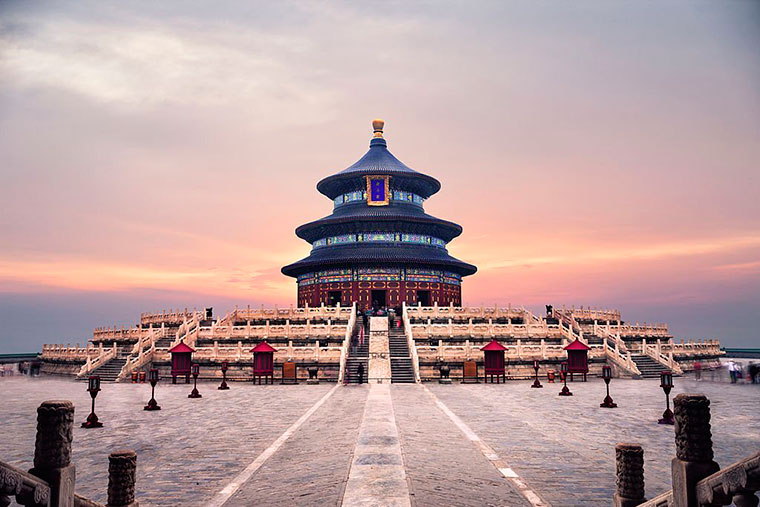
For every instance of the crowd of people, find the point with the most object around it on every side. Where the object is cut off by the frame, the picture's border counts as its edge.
(736, 371)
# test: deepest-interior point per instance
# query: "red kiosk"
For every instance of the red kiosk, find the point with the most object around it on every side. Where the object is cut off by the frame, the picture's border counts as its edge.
(263, 362)
(577, 358)
(182, 359)
(494, 361)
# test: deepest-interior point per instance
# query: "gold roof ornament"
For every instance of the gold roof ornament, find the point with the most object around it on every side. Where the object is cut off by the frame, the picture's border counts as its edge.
(377, 125)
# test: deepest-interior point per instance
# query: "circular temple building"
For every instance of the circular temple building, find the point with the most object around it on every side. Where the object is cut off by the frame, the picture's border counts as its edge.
(379, 247)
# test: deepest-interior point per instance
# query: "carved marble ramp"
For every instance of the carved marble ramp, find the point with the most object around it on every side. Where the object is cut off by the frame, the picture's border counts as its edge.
(379, 365)
(377, 476)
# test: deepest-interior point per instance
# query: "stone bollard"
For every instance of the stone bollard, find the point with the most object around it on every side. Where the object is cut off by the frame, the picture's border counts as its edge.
(122, 471)
(694, 452)
(52, 450)
(629, 459)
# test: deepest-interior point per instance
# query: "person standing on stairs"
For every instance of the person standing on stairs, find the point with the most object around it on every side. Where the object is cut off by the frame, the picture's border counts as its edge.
(360, 372)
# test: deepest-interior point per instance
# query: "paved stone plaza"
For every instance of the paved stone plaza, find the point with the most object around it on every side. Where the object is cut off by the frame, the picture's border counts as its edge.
(469, 444)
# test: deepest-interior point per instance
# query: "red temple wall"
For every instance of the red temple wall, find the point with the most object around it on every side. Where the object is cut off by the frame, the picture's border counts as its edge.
(361, 292)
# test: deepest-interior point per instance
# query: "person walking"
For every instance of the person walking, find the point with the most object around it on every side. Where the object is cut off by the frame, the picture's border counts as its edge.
(697, 370)
(732, 371)
(360, 373)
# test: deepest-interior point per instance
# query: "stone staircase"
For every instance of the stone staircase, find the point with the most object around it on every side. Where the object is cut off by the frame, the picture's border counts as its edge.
(402, 371)
(164, 343)
(648, 367)
(109, 371)
(357, 354)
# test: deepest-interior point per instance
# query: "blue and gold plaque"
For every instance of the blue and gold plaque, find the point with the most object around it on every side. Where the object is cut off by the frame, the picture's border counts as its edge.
(377, 191)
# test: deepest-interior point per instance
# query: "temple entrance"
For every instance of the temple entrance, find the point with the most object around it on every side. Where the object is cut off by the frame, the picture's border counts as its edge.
(334, 297)
(378, 298)
(423, 297)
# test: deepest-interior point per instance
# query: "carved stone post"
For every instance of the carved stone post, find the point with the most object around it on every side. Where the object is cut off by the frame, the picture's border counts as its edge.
(629, 459)
(122, 471)
(52, 450)
(694, 452)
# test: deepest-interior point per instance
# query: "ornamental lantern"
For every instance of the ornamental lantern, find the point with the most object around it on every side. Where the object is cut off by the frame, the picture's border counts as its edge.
(666, 382)
(565, 391)
(607, 376)
(153, 379)
(93, 387)
(196, 370)
(224, 385)
(536, 383)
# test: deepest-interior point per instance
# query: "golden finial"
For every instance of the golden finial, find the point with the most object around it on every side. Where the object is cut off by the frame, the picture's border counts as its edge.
(377, 125)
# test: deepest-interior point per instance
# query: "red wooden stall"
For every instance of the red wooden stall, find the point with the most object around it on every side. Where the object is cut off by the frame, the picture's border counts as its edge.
(494, 361)
(182, 359)
(577, 358)
(263, 362)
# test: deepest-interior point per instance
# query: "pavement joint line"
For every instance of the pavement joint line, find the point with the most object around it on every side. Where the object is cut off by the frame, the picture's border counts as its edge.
(507, 472)
(231, 488)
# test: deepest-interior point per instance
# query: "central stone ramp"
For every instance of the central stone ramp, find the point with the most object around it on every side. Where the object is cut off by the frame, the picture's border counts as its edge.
(312, 466)
(379, 357)
(377, 475)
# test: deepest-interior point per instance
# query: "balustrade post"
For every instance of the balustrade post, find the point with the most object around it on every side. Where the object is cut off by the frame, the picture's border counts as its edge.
(52, 450)
(629, 461)
(694, 451)
(122, 473)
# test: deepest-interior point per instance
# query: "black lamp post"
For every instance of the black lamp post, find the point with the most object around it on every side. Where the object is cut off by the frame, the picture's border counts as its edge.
(224, 377)
(93, 388)
(536, 383)
(607, 376)
(666, 382)
(195, 369)
(153, 379)
(565, 391)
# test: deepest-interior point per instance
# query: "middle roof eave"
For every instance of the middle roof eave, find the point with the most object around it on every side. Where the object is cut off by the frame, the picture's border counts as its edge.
(362, 219)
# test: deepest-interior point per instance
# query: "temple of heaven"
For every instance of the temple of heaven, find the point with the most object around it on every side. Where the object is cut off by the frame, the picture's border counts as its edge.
(379, 247)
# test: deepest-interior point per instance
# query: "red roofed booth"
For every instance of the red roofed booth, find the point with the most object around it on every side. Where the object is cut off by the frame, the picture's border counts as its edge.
(263, 362)
(577, 358)
(182, 359)
(494, 361)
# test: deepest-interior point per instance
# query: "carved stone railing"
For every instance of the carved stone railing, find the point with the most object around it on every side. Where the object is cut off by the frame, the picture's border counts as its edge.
(593, 314)
(52, 480)
(410, 342)
(104, 355)
(25, 487)
(737, 483)
(697, 480)
(172, 316)
(654, 351)
(68, 353)
(465, 312)
(346, 343)
(624, 361)
(300, 314)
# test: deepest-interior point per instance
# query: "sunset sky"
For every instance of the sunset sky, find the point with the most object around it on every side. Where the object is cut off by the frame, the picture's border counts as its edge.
(161, 154)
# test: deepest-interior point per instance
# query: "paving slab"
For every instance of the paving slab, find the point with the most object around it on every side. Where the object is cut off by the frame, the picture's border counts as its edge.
(443, 466)
(564, 447)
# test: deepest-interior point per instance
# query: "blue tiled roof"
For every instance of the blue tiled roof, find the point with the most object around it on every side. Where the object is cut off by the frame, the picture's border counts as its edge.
(363, 218)
(350, 255)
(378, 160)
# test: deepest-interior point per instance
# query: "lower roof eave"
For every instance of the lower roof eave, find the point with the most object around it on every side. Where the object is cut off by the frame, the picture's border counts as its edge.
(305, 266)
